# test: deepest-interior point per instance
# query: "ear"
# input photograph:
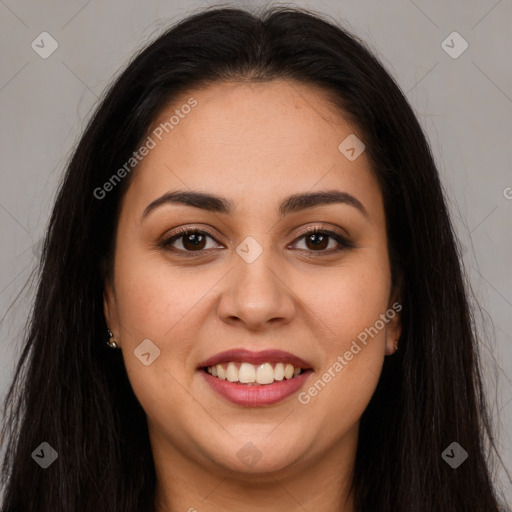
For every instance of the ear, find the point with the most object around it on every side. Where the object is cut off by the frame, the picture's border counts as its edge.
(110, 309)
(394, 326)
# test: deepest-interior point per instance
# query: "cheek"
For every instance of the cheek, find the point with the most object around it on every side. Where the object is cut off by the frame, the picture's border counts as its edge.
(152, 300)
(354, 299)
(340, 392)
(350, 298)
(153, 306)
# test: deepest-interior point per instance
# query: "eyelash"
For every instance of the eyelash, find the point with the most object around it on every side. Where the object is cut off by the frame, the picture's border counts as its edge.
(167, 242)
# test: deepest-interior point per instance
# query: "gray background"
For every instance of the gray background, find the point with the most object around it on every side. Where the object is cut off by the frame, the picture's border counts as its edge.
(464, 104)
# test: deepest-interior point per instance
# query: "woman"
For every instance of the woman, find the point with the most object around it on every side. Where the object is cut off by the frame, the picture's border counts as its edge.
(250, 296)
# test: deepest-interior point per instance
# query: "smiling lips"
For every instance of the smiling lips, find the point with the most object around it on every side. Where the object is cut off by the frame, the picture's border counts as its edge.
(255, 378)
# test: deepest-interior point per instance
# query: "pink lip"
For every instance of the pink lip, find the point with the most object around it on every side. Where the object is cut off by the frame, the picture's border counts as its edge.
(265, 356)
(255, 395)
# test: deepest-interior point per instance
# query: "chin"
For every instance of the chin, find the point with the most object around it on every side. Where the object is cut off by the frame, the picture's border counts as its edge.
(257, 454)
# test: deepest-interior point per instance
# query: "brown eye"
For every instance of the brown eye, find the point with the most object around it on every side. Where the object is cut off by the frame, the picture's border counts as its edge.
(188, 241)
(191, 240)
(194, 241)
(318, 240)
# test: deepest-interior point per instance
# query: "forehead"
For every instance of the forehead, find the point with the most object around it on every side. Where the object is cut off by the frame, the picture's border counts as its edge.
(253, 140)
(258, 122)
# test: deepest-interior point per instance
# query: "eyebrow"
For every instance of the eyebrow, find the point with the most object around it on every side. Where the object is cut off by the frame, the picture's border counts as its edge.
(291, 204)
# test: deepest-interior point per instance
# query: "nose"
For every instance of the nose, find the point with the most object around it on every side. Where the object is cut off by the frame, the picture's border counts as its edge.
(256, 295)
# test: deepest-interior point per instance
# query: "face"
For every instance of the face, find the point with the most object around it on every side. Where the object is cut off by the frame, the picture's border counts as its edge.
(249, 284)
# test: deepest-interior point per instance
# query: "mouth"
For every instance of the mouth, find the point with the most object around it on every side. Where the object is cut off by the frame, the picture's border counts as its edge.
(255, 379)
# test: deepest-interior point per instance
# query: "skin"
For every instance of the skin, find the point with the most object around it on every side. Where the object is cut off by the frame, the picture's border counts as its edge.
(254, 144)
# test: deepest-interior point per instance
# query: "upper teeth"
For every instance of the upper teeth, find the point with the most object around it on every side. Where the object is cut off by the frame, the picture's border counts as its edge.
(247, 373)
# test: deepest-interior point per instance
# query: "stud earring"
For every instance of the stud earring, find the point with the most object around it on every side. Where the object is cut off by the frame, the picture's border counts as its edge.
(111, 341)
(396, 344)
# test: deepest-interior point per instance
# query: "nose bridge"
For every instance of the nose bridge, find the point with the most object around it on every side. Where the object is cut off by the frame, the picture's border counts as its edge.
(254, 273)
(255, 293)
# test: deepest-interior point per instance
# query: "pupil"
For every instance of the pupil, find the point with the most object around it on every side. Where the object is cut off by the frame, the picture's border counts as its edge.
(194, 239)
(318, 243)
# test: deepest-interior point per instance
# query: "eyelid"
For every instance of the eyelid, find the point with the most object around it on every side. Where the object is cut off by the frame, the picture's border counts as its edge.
(316, 228)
